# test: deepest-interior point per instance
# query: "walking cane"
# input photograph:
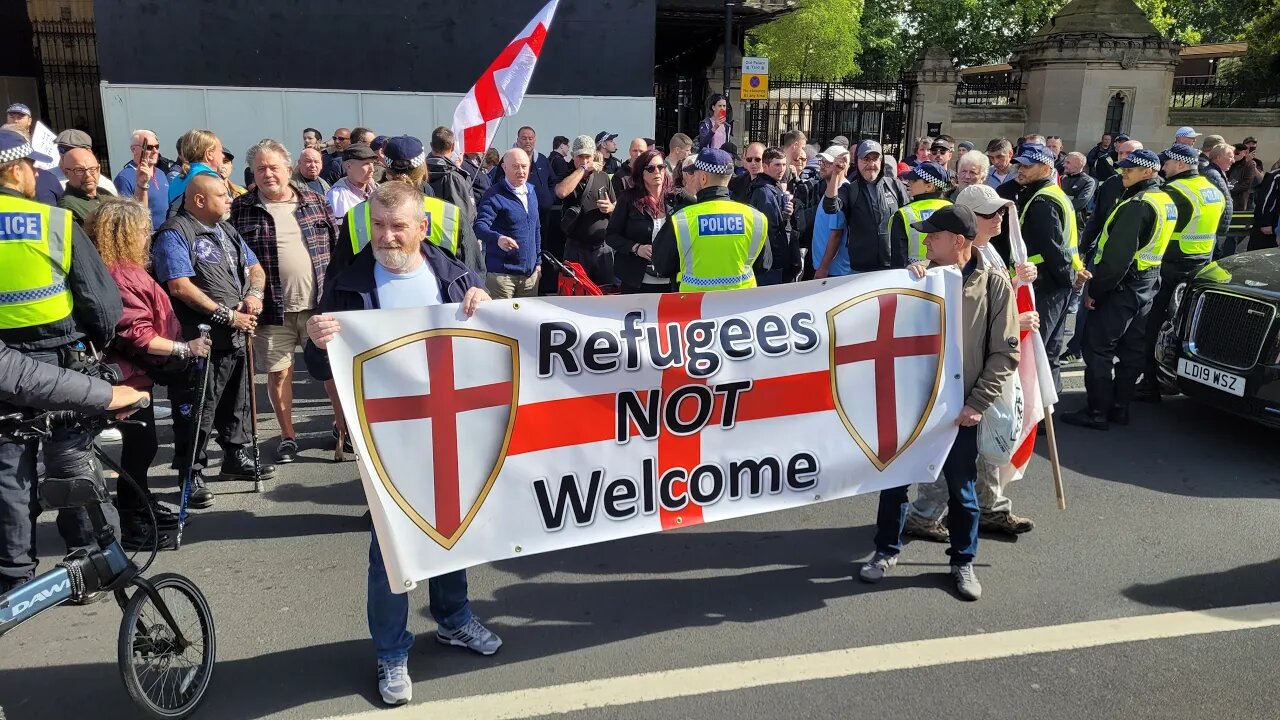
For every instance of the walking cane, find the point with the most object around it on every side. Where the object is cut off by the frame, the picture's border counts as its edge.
(1054, 465)
(253, 412)
(195, 439)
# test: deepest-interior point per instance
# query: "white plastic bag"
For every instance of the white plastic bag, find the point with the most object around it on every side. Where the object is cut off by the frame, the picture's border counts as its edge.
(1001, 424)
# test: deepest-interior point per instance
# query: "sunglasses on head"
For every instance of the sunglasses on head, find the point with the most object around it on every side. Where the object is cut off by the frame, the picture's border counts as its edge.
(998, 213)
(654, 168)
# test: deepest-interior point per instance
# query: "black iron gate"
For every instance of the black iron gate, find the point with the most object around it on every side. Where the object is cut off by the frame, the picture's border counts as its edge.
(67, 55)
(679, 101)
(859, 110)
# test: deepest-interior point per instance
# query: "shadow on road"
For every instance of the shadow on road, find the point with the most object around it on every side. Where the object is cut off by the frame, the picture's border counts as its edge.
(1223, 455)
(1245, 585)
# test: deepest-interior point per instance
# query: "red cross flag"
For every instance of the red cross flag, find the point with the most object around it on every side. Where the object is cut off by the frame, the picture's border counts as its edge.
(545, 424)
(500, 90)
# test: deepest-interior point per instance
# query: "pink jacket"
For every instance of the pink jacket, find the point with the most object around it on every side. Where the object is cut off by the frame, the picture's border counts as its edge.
(147, 314)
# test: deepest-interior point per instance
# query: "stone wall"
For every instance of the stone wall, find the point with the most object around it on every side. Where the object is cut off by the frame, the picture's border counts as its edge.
(1234, 125)
(980, 125)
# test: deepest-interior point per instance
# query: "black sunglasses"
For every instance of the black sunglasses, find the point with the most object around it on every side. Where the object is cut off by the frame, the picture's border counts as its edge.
(654, 168)
(753, 159)
(1251, 148)
(997, 213)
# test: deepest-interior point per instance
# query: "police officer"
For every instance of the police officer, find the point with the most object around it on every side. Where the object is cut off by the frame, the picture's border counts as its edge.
(57, 304)
(716, 243)
(215, 279)
(927, 183)
(1049, 229)
(1126, 278)
(447, 225)
(1201, 206)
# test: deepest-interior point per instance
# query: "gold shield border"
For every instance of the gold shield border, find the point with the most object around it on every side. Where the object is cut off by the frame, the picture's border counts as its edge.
(446, 542)
(937, 380)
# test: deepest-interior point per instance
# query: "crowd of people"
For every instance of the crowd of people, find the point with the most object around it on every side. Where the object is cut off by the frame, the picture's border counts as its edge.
(130, 268)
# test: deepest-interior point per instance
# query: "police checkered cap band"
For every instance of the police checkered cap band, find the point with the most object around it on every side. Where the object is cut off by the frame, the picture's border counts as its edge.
(713, 169)
(1183, 153)
(716, 162)
(15, 153)
(931, 173)
(418, 161)
(1142, 159)
(1037, 153)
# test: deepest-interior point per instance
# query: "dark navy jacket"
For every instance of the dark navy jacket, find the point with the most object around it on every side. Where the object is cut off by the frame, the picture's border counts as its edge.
(500, 213)
(354, 289)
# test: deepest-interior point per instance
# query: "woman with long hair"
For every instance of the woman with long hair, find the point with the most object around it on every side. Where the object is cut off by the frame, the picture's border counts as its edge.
(715, 129)
(641, 212)
(121, 229)
(201, 154)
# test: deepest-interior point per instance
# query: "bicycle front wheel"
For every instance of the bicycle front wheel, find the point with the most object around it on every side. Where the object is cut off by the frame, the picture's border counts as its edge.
(163, 678)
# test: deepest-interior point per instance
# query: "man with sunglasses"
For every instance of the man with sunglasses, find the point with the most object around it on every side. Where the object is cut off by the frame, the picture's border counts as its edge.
(1245, 174)
(333, 170)
(139, 179)
(753, 161)
(869, 199)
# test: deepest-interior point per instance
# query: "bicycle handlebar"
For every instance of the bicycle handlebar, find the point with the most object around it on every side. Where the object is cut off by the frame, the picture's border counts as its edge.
(20, 426)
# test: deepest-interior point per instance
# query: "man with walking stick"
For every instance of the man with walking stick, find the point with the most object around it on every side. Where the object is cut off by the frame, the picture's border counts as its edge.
(216, 280)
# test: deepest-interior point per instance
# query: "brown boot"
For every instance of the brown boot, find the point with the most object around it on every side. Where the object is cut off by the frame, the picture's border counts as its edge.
(919, 527)
(1005, 522)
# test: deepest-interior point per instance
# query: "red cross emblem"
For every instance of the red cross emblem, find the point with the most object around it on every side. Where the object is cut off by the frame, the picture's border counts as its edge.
(870, 342)
(469, 382)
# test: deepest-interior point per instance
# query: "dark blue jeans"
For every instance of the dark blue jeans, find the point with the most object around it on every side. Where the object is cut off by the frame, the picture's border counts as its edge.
(389, 612)
(961, 472)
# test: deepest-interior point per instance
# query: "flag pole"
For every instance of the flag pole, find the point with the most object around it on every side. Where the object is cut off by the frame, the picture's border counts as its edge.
(1054, 465)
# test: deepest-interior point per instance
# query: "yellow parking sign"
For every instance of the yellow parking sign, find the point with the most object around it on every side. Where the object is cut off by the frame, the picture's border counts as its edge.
(755, 78)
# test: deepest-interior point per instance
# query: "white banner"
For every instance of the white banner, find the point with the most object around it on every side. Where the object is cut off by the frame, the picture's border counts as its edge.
(545, 424)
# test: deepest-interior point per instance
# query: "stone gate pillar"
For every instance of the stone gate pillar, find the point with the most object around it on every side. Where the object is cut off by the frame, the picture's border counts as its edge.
(935, 88)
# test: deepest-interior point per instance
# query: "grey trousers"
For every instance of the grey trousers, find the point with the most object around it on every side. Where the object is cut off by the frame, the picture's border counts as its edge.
(932, 497)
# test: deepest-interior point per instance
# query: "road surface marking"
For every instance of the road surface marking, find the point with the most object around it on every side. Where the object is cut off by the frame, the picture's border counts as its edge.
(723, 677)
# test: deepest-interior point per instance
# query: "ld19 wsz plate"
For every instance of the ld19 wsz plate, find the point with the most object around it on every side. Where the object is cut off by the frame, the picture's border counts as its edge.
(1205, 375)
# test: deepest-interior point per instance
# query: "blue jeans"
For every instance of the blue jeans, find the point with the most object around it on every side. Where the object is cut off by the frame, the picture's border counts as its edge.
(389, 612)
(961, 472)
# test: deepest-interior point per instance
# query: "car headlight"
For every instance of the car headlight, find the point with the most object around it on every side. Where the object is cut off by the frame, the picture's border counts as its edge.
(1175, 302)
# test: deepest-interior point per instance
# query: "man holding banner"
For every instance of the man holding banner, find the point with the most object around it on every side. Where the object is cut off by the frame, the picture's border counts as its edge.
(989, 328)
(401, 268)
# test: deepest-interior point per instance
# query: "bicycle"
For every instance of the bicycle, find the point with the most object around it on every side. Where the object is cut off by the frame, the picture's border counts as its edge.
(166, 648)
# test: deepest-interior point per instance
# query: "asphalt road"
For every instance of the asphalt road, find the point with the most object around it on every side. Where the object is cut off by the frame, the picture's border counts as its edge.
(1176, 513)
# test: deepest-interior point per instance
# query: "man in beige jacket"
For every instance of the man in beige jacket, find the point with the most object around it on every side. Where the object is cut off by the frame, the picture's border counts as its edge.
(989, 333)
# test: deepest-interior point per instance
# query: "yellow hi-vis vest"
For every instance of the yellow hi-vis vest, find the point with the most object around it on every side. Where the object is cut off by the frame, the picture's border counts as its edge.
(1072, 234)
(718, 241)
(914, 212)
(1152, 252)
(35, 254)
(444, 223)
(1200, 234)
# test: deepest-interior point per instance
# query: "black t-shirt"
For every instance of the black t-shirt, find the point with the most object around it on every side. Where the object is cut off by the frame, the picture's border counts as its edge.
(592, 224)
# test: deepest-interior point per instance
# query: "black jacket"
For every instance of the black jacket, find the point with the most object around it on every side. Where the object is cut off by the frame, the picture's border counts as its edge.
(740, 187)
(666, 256)
(1131, 227)
(1091, 160)
(1266, 211)
(354, 289)
(451, 184)
(1044, 231)
(1105, 200)
(26, 382)
(769, 199)
(96, 306)
(223, 285)
(629, 227)
(1080, 188)
(332, 170)
(867, 221)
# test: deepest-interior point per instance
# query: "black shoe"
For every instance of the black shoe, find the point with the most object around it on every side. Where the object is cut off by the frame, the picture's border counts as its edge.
(1086, 419)
(166, 517)
(136, 534)
(347, 447)
(1147, 394)
(238, 465)
(201, 496)
(286, 451)
(1119, 415)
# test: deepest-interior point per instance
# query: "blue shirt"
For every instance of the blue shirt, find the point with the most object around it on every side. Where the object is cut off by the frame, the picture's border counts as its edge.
(171, 258)
(823, 223)
(157, 193)
(417, 288)
(178, 185)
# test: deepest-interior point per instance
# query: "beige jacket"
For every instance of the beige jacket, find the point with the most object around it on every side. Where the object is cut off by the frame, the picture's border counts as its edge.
(989, 328)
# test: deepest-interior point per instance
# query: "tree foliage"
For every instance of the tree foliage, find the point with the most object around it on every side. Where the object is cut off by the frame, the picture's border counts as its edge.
(816, 40)
(1261, 64)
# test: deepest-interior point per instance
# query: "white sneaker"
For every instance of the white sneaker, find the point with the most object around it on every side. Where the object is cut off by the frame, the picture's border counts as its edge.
(877, 566)
(394, 682)
(473, 636)
(110, 435)
(162, 411)
(966, 581)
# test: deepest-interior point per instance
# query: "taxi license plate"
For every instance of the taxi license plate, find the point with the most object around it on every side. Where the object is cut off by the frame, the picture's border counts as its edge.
(1205, 375)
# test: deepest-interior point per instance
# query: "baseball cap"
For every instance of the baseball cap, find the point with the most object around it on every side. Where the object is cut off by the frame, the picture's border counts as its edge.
(404, 153)
(866, 147)
(833, 152)
(944, 144)
(15, 147)
(227, 156)
(1033, 153)
(981, 199)
(1119, 138)
(19, 108)
(716, 162)
(1140, 158)
(1186, 131)
(379, 143)
(1181, 153)
(965, 145)
(930, 172)
(1211, 140)
(952, 218)
(605, 136)
(74, 139)
(840, 140)
(583, 145)
(359, 151)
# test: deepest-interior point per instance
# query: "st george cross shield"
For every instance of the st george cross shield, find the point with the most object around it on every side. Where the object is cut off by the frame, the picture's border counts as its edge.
(436, 410)
(886, 367)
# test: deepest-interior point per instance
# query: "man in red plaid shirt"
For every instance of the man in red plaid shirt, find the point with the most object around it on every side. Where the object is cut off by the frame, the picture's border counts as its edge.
(292, 231)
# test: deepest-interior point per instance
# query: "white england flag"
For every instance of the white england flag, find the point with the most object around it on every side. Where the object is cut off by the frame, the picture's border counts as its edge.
(545, 424)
